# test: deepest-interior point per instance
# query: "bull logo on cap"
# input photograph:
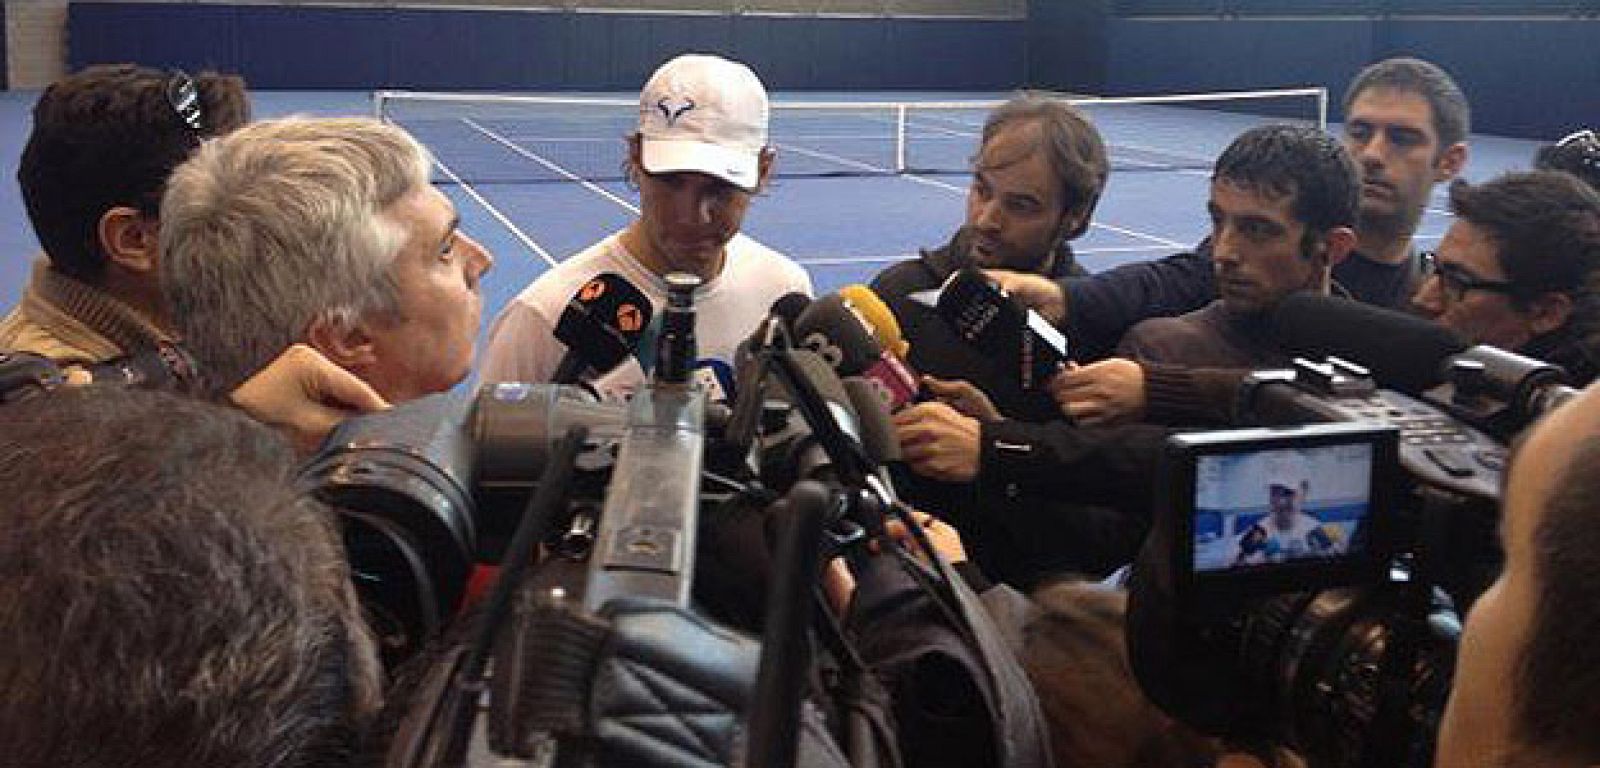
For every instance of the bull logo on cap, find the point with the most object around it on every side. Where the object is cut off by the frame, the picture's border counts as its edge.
(672, 112)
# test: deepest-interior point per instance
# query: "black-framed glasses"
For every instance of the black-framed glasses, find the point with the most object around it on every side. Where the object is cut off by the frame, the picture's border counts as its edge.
(1457, 281)
(184, 98)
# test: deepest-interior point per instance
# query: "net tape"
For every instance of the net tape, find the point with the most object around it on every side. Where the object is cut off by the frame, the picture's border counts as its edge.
(486, 139)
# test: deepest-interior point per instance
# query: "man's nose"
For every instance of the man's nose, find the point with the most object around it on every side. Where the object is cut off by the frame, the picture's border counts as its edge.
(1429, 298)
(988, 218)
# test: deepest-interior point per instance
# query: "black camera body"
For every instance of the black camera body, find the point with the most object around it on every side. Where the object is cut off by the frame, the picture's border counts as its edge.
(1314, 600)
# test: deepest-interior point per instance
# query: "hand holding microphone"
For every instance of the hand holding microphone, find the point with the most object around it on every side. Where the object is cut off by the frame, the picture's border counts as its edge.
(964, 397)
(1105, 392)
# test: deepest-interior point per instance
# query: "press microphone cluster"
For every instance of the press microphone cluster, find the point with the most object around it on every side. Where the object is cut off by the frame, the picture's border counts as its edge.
(602, 326)
(985, 316)
(857, 334)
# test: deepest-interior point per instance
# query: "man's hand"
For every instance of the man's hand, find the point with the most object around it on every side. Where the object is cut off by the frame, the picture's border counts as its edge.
(305, 395)
(964, 397)
(938, 442)
(1110, 391)
(1044, 295)
(943, 536)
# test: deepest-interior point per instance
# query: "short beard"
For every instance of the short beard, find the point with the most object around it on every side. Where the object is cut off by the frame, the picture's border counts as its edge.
(1038, 264)
(1390, 225)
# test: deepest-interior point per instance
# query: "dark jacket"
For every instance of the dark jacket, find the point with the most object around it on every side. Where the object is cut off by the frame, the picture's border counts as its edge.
(936, 350)
(1102, 307)
(1050, 497)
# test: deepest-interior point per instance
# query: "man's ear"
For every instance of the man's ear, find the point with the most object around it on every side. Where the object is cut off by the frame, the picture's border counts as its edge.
(130, 239)
(764, 167)
(1450, 162)
(1548, 312)
(344, 341)
(1337, 244)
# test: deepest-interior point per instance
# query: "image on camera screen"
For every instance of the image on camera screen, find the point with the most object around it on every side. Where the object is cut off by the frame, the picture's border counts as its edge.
(1281, 505)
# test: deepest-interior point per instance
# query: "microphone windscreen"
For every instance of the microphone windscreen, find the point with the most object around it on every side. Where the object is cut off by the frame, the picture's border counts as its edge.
(817, 370)
(878, 317)
(604, 321)
(877, 428)
(1403, 352)
(830, 329)
(789, 306)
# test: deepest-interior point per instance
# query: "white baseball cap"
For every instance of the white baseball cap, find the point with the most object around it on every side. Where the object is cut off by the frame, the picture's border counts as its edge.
(704, 113)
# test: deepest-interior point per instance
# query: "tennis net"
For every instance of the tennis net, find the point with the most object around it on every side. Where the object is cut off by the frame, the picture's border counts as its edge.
(486, 138)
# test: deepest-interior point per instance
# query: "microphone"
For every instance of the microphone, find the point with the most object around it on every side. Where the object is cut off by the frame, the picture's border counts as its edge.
(1403, 352)
(601, 325)
(877, 428)
(987, 317)
(835, 330)
(750, 366)
(810, 428)
(878, 318)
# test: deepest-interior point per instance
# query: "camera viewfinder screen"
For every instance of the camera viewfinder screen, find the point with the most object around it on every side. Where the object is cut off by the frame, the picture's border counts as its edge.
(1281, 505)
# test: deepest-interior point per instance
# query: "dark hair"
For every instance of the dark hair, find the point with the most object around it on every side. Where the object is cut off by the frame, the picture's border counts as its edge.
(109, 136)
(1555, 709)
(166, 598)
(1545, 224)
(1452, 117)
(1577, 154)
(1282, 159)
(1076, 152)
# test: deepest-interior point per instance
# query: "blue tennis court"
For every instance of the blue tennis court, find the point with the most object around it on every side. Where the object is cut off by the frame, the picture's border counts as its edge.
(538, 189)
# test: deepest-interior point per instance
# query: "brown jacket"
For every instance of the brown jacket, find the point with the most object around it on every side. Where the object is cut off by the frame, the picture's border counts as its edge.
(70, 321)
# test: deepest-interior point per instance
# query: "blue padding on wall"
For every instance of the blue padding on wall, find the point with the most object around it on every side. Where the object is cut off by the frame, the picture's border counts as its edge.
(432, 49)
(202, 38)
(1167, 56)
(840, 48)
(1529, 78)
(331, 47)
(937, 55)
(1538, 79)
(281, 47)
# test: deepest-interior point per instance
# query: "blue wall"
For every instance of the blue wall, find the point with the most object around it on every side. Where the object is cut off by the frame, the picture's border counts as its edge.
(1067, 44)
(324, 47)
(1536, 78)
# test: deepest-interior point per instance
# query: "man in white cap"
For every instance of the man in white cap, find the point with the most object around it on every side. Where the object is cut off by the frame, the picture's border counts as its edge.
(1287, 532)
(698, 157)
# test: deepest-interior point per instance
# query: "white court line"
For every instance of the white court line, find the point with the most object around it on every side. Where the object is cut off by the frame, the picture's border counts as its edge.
(834, 261)
(495, 212)
(569, 175)
(1102, 225)
(962, 191)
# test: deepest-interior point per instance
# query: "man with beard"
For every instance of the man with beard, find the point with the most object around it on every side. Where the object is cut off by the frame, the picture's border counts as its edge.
(699, 158)
(1036, 178)
(1406, 123)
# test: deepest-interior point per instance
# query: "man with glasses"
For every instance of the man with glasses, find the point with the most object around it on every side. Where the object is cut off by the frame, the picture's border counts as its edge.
(103, 143)
(698, 159)
(1517, 269)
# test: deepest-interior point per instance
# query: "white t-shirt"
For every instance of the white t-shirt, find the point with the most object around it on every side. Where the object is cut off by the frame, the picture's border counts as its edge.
(1265, 542)
(522, 343)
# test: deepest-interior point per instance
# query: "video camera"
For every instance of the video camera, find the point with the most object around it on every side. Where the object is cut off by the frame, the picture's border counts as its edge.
(674, 531)
(1302, 580)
